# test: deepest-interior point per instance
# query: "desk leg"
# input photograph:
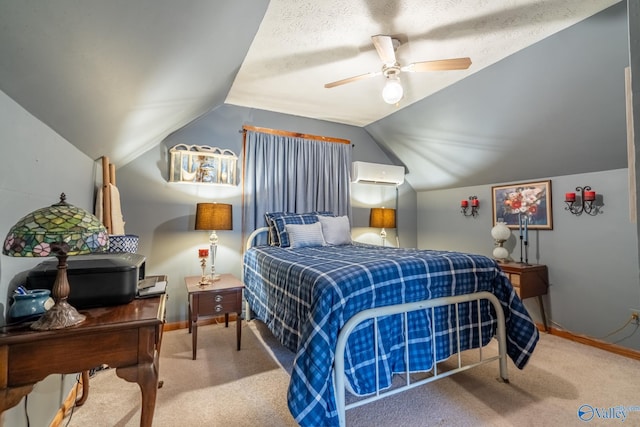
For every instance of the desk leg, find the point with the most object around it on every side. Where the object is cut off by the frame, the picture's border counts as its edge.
(194, 338)
(544, 316)
(145, 372)
(10, 397)
(146, 375)
(194, 308)
(238, 328)
(85, 389)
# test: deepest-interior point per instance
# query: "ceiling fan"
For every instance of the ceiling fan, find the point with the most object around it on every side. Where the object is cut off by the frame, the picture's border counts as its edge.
(386, 47)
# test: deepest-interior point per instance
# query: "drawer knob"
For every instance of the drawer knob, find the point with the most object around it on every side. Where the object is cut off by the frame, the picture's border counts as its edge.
(218, 308)
(219, 298)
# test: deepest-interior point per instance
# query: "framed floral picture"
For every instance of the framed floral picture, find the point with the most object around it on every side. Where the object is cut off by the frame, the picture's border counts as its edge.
(531, 200)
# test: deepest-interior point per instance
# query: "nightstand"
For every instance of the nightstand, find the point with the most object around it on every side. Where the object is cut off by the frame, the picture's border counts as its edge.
(529, 280)
(223, 296)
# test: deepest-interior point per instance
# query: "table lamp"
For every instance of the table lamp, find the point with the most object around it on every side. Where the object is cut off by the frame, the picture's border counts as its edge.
(60, 230)
(500, 233)
(212, 217)
(382, 218)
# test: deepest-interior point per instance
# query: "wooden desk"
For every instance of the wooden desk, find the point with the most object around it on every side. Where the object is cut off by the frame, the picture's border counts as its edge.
(223, 296)
(126, 337)
(529, 280)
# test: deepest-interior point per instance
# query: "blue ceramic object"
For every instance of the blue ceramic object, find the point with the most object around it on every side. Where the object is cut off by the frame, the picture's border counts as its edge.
(29, 304)
(123, 243)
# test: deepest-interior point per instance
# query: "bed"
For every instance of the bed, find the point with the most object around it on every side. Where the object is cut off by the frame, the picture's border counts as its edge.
(416, 308)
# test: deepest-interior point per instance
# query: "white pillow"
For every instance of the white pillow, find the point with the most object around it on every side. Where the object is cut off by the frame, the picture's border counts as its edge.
(305, 235)
(336, 230)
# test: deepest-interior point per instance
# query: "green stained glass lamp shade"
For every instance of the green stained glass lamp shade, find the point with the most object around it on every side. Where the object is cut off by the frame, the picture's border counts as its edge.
(35, 233)
(59, 230)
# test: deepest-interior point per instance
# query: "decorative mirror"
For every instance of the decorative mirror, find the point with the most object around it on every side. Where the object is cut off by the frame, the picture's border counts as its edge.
(202, 164)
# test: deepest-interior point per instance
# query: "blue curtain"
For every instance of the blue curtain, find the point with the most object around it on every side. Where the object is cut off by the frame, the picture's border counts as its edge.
(293, 174)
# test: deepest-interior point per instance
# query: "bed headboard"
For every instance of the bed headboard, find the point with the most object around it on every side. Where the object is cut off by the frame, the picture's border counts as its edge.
(254, 234)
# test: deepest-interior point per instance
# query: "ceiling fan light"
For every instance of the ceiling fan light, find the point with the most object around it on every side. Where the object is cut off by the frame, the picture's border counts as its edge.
(392, 92)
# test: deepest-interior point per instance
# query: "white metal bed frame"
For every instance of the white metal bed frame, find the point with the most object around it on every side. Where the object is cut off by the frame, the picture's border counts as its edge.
(373, 314)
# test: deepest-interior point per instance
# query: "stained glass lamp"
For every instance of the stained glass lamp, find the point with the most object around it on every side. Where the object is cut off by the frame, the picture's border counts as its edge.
(60, 230)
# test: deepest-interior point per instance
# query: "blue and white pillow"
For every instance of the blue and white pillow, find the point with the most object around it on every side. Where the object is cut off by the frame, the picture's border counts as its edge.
(273, 234)
(281, 222)
(276, 223)
(305, 235)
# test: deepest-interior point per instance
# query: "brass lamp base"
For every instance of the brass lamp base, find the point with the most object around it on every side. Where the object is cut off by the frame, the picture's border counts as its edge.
(61, 315)
(208, 280)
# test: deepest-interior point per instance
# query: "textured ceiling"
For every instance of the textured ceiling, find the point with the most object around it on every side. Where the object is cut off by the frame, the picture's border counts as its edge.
(301, 45)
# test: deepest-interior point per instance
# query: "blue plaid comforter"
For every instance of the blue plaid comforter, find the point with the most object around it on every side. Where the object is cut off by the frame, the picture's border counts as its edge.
(306, 295)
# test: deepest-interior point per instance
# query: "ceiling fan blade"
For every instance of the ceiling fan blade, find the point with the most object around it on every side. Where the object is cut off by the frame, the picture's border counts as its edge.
(384, 46)
(352, 79)
(439, 65)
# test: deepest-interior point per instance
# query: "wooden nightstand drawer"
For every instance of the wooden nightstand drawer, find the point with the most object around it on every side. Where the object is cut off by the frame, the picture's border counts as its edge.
(514, 279)
(220, 302)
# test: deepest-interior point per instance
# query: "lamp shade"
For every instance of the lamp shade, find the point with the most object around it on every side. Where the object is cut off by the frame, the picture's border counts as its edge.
(382, 218)
(40, 233)
(500, 232)
(392, 92)
(214, 216)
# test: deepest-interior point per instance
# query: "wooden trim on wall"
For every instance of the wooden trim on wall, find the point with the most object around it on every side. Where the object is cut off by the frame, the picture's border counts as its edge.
(295, 134)
(594, 342)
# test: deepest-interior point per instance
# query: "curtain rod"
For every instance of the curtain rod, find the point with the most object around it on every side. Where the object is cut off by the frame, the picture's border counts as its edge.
(293, 134)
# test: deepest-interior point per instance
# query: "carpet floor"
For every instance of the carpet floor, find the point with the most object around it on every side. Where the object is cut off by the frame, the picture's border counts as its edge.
(225, 387)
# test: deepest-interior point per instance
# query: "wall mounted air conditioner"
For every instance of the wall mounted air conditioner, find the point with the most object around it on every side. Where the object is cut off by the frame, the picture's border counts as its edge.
(376, 173)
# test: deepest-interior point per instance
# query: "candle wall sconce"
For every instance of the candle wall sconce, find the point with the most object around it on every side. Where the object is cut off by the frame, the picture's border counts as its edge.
(585, 202)
(473, 202)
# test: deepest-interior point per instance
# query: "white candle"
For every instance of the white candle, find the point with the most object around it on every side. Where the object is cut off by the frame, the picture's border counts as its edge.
(520, 224)
(526, 229)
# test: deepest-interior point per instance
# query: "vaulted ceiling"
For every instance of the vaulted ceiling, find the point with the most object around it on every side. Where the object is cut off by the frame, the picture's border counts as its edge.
(116, 77)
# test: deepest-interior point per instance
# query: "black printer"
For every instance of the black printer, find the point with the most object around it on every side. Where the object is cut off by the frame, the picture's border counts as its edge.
(96, 280)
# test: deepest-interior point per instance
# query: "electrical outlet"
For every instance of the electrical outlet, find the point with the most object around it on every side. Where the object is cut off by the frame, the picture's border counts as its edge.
(635, 315)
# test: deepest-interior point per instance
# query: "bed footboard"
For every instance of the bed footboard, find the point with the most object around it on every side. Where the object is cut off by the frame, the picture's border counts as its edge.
(339, 364)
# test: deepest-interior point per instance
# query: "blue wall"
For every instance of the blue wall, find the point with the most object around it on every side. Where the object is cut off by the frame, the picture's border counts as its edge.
(36, 165)
(592, 260)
